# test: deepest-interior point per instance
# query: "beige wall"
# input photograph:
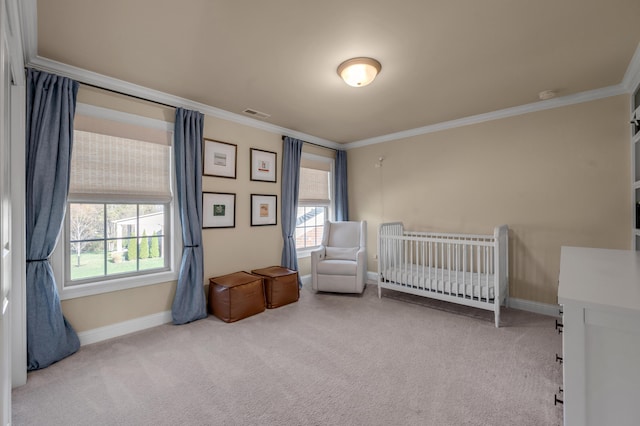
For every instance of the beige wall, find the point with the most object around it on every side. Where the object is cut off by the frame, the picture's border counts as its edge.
(225, 250)
(304, 266)
(87, 313)
(244, 247)
(556, 177)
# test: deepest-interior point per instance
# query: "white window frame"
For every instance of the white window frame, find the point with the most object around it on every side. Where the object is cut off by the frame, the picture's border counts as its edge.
(101, 285)
(306, 252)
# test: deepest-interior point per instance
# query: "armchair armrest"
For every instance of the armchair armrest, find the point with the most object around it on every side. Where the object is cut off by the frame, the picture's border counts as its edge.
(361, 274)
(316, 256)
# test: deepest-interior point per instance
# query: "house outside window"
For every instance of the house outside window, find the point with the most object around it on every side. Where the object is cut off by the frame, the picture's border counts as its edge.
(119, 229)
(315, 204)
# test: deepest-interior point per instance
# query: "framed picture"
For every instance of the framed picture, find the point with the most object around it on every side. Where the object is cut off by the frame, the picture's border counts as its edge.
(219, 159)
(218, 210)
(263, 165)
(264, 209)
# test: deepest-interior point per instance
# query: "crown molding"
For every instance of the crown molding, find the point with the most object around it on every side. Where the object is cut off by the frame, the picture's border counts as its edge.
(121, 86)
(29, 28)
(631, 78)
(577, 98)
(13, 34)
(109, 83)
(630, 81)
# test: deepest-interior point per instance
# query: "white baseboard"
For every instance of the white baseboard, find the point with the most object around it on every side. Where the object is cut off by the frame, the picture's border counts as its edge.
(122, 328)
(306, 279)
(521, 304)
(535, 307)
(372, 278)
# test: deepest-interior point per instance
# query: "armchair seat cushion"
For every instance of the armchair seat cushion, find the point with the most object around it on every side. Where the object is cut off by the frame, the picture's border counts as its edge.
(337, 267)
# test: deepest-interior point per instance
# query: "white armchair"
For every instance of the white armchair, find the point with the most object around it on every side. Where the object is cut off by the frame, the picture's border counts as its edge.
(340, 264)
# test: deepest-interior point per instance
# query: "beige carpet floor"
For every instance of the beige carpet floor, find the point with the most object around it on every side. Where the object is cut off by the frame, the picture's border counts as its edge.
(326, 360)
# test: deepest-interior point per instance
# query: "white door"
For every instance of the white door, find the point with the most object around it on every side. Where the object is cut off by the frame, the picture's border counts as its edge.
(5, 225)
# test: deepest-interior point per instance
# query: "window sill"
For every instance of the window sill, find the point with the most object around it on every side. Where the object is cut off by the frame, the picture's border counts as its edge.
(108, 286)
(303, 254)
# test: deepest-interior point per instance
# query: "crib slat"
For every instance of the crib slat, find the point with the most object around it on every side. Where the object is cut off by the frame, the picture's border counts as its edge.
(408, 263)
(391, 260)
(456, 266)
(411, 263)
(401, 258)
(465, 267)
(476, 293)
(396, 252)
(413, 283)
(440, 267)
(471, 267)
(486, 270)
(422, 245)
(449, 266)
(435, 265)
(404, 262)
(492, 252)
(430, 264)
(398, 265)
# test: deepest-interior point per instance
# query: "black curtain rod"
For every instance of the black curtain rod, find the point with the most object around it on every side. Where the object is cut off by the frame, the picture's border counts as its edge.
(316, 144)
(128, 95)
(171, 106)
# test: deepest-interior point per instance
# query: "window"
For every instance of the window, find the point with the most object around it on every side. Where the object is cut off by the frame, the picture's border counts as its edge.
(118, 230)
(112, 239)
(314, 200)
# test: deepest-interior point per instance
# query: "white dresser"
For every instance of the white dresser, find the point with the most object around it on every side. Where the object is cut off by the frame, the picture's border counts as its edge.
(600, 293)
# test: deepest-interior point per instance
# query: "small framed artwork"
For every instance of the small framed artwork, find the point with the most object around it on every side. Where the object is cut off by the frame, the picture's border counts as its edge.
(263, 165)
(219, 159)
(218, 210)
(264, 209)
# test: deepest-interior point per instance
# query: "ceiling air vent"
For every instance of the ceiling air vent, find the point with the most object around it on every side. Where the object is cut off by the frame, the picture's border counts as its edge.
(256, 114)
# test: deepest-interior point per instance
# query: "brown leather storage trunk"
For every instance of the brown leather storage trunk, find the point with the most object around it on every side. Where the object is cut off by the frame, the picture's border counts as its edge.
(236, 296)
(280, 285)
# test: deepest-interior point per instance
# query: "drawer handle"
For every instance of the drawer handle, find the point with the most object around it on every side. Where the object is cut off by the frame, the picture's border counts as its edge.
(557, 401)
(559, 358)
(559, 326)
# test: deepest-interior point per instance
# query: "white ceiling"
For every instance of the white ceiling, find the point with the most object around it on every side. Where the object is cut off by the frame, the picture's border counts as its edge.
(441, 60)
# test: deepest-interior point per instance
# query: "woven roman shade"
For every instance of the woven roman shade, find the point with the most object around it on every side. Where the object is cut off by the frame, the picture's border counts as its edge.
(314, 183)
(119, 163)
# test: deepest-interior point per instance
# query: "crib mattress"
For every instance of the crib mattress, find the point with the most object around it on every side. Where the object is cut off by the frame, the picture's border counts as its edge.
(455, 283)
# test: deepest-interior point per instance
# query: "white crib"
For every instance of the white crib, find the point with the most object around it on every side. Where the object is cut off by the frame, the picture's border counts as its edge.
(471, 270)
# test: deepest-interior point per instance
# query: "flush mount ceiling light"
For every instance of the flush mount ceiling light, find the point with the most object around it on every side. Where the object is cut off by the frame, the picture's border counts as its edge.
(358, 72)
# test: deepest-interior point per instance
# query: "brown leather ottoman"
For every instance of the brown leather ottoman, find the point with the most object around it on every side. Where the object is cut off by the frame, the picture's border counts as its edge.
(236, 296)
(280, 285)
